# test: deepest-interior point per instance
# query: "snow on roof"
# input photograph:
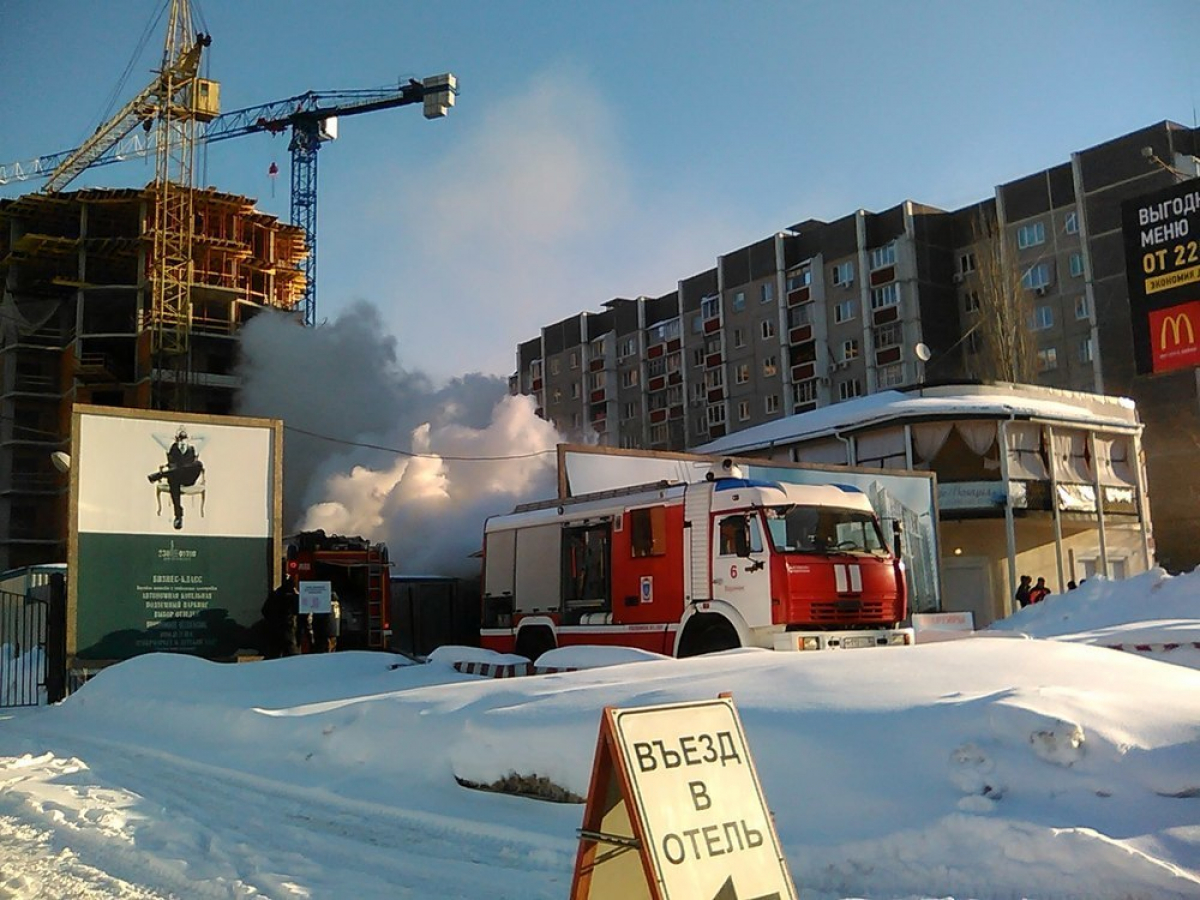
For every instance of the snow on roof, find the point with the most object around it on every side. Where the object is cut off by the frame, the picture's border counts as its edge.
(1000, 401)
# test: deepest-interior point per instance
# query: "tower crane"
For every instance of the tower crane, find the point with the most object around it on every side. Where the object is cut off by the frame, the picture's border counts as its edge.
(312, 118)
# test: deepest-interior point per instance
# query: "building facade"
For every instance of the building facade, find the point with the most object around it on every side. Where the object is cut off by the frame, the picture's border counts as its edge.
(824, 312)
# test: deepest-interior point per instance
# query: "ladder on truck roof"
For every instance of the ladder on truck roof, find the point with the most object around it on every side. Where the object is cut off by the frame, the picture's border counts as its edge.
(377, 590)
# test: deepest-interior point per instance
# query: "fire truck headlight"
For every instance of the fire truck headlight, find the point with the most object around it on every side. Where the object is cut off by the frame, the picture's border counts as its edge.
(810, 643)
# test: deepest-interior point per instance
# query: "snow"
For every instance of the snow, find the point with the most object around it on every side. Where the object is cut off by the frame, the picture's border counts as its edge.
(987, 767)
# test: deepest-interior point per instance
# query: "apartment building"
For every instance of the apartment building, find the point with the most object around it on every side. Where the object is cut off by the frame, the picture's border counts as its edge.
(823, 312)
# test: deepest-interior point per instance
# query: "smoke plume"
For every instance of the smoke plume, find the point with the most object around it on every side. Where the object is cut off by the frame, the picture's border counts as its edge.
(376, 450)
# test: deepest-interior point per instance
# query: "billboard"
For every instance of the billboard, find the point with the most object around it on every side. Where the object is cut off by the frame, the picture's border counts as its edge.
(1162, 266)
(175, 531)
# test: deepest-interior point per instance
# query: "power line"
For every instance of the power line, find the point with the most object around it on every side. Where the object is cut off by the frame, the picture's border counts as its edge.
(410, 454)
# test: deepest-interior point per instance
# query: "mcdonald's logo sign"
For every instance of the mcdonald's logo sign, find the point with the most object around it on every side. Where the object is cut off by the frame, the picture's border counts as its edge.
(1173, 334)
(1176, 326)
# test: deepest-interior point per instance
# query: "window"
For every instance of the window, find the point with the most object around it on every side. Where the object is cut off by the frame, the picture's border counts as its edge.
(710, 307)
(766, 292)
(673, 362)
(743, 410)
(714, 378)
(1036, 277)
(844, 311)
(556, 395)
(574, 359)
(663, 331)
(891, 376)
(739, 337)
(883, 256)
(889, 335)
(716, 414)
(742, 373)
(698, 389)
(629, 378)
(770, 367)
(535, 369)
(656, 367)
(849, 389)
(768, 329)
(648, 531)
(574, 390)
(800, 315)
(554, 366)
(804, 392)
(1031, 235)
(675, 395)
(1084, 350)
(658, 433)
(849, 350)
(799, 278)
(1041, 318)
(597, 381)
(596, 349)
(575, 420)
(629, 410)
(712, 345)
(628, 347)
(698, 356)
(966, 263)
(843, 273)
(771, 404)
(697, 324)
(739, 301)
(701, 426)
(1047, 359)
(971, 301)
(1083, 308)
(888, 295)
(1071, 223)
(1076, 265)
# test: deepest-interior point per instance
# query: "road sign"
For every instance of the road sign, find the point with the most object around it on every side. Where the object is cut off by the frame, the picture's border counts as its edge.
(675, 810)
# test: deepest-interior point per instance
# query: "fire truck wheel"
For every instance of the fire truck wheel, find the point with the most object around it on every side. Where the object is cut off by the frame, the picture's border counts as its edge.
(708, 634)
(533, 642)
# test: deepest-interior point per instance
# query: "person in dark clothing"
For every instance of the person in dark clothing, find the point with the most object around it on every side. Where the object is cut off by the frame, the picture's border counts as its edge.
(183, 468)
(1039, 591)
(279, 613)
(1023, 591)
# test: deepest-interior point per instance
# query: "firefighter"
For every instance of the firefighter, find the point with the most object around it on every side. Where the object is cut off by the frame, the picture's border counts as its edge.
(279, 613)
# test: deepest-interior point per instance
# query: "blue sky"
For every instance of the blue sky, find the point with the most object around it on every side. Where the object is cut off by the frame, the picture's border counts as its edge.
(610, 149)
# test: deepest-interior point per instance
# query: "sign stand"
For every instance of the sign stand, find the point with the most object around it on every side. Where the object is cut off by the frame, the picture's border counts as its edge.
(675, 810)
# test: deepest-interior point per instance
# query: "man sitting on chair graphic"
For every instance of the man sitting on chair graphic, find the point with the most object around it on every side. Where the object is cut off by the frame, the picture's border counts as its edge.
(182, 469)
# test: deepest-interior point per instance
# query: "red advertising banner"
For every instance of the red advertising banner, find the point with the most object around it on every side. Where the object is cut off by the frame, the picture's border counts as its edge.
(1175, 337)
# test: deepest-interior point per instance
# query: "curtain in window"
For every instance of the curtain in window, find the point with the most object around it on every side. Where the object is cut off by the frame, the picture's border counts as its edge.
(1025, 460)
(979, 436)
(928, 440)
(1113, 460)
(1071, 457)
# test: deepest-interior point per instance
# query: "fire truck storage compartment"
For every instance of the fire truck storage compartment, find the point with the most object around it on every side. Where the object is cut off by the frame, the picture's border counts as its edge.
(538, 550)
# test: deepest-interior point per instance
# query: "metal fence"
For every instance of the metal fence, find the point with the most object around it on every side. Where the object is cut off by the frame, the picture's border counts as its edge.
(32, 645)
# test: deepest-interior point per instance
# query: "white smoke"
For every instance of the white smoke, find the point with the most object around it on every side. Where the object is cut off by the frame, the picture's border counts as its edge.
(414, 465)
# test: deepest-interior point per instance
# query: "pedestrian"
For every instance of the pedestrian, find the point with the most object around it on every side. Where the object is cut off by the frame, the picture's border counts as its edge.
(1039, 591)
(1023, 591)
(335, 622)
(1071, 585)
(279, 615)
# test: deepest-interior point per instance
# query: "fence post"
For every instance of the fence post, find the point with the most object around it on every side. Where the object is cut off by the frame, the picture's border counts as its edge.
(56, 640)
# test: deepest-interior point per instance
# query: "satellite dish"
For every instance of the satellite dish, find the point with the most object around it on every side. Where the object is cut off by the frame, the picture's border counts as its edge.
(923, 352)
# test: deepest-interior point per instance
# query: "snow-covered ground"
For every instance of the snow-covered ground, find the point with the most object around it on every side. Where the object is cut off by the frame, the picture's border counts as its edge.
(999, 766)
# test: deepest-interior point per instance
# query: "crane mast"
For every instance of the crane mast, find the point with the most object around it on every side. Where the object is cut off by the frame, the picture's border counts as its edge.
(181, 104)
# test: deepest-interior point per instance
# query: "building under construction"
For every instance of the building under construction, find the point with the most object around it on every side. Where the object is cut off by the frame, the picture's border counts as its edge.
(81, 320)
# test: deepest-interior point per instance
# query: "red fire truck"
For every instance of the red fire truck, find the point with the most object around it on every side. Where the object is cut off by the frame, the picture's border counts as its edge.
(358, 572)
(684, 569)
